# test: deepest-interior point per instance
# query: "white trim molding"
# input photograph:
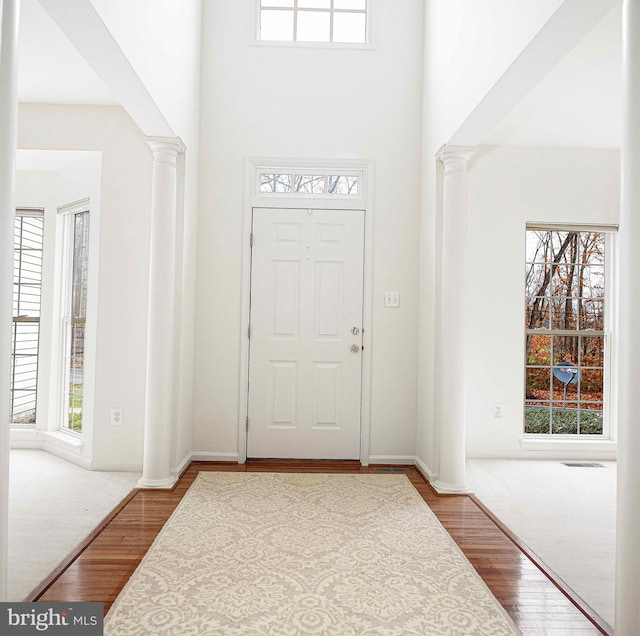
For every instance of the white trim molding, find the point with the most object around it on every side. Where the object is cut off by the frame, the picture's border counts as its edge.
(64, 445)
(207, 456)
(367, 45)
(425, 471)
(364, 201)
(575, 448)
(405, 460)
(343, 167)
(177, 470)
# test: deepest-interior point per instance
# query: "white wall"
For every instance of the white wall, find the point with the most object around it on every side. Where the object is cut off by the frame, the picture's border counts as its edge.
(309, 103)
(123, 232)
(77, 177)
(161, 39)
(509, 187)
(468, 46)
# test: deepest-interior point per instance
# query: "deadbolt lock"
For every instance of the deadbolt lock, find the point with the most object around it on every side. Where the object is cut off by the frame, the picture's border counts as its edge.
(355, 331)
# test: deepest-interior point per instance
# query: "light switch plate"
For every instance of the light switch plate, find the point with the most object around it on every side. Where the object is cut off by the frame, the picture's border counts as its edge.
(392, 299)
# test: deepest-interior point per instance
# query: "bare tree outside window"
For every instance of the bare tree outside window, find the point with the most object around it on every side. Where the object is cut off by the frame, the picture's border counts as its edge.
(75, 322)
(565, 332)
(312, 184)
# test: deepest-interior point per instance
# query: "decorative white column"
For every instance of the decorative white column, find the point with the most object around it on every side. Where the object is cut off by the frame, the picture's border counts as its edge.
(627, 616)
(160, 389)
(8, 145)
(450, 426)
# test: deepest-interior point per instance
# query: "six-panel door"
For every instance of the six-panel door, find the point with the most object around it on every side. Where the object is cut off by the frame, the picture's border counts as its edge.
(305, 363)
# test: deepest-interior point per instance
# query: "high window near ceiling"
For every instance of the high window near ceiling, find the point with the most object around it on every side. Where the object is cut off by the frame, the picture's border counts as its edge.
(25, 327)
(566, 327)
(347, 185)
(328, 21)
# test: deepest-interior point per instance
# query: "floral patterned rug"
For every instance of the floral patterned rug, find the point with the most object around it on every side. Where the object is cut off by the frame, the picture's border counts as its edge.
(269, 554)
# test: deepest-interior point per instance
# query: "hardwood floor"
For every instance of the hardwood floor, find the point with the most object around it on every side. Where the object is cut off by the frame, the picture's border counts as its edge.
(536, 605)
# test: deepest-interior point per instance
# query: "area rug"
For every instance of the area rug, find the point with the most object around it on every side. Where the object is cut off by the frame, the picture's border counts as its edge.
(267, 554)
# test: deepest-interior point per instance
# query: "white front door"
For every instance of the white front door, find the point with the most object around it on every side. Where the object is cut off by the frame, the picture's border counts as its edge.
(305, 362)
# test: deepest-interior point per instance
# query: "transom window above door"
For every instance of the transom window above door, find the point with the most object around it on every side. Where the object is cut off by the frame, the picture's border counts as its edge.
(324, 21)
(289, 183)
(321, 180)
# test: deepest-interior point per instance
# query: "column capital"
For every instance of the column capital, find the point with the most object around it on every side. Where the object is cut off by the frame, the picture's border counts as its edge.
(455, 158)
(165, 149)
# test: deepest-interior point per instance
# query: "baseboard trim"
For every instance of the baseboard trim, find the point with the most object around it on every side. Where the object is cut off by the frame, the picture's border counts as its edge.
(26, 444)
(428, 475)
(117, 468)
(67, 447)
(68, 456)
(404, 460)
(200, 456)
(183, 465)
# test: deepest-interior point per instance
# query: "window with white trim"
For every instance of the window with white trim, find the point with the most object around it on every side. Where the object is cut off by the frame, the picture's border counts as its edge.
(25, 326)
(566, 331)
(328, 21)
(312, 184)
(74, 313)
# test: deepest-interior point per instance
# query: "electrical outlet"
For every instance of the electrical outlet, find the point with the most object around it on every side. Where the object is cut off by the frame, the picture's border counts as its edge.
(117, 416)
(498, 408)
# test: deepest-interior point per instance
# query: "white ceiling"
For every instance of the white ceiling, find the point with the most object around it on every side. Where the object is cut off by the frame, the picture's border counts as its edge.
(578, 104)
(50, 68)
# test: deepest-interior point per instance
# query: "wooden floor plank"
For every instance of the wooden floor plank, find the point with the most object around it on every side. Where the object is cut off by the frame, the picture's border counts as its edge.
(536, 605)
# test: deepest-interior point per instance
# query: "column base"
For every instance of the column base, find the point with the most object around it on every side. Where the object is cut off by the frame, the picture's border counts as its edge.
(167, 482)
(442, 488)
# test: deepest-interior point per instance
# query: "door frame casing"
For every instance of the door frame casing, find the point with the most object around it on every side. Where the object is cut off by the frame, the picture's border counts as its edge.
(252, 200)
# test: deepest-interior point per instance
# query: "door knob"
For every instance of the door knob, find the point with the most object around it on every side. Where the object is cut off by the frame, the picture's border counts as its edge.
(355, 348)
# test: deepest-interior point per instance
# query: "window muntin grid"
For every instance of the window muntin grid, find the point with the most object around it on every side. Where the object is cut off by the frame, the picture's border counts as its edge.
(321, 21)
(25, 326)
(565, 325)
(313, 184)
(74, 320)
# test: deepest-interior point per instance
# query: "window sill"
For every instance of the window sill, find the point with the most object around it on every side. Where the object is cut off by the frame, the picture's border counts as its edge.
(327, 46)
(33, 438)
(64, 441)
